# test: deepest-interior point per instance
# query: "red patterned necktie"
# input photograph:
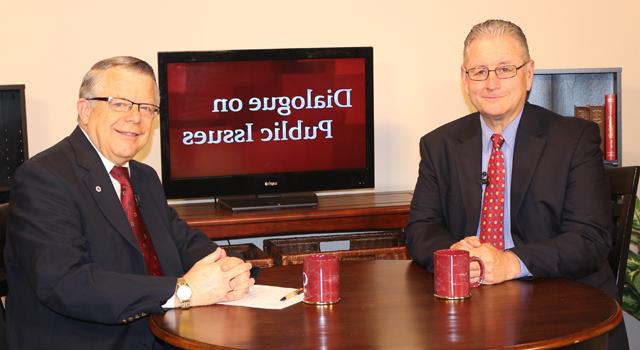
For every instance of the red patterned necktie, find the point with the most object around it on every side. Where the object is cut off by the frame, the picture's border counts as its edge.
(135, 220)
(491, 223)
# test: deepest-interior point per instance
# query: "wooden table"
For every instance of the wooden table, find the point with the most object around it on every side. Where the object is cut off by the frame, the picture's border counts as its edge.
(334, 213)
(389, 305)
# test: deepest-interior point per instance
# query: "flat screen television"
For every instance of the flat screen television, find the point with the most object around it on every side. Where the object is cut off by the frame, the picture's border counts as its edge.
(266, 128)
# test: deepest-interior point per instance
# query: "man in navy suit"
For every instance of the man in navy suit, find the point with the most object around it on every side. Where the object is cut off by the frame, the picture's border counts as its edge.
(555, 219)
(79, 272)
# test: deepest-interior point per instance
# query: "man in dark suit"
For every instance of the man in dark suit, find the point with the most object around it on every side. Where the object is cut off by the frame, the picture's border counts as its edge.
(552, 216)
(83, 269)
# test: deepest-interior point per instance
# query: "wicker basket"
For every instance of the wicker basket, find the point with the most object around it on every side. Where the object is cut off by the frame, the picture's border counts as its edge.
(249, 252)
(365, 246)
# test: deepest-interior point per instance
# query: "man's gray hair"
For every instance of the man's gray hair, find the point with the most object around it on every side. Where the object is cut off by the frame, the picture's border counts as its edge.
(497, 27)
(94, 75)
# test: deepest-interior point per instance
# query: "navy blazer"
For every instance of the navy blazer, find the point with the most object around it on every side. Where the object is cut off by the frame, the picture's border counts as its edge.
(560, 201)
(77, 279)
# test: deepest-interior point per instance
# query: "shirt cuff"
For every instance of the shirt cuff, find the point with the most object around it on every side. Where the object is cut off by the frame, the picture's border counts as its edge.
(170, 304)
(524, 271)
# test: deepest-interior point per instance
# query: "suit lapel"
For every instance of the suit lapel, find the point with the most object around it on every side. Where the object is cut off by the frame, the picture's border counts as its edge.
(98, 183)
(529, 146)
(469, 163)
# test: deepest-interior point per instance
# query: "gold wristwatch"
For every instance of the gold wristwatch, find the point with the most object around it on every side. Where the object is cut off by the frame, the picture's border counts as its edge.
(183, 293)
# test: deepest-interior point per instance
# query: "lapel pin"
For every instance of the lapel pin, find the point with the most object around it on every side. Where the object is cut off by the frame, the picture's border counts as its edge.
(98, 189)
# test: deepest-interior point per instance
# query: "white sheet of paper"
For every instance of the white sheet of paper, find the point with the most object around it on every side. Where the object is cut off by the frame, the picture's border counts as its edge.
(266, 297)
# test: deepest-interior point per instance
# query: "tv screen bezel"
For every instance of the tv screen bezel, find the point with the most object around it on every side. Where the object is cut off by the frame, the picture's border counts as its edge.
(254, 184)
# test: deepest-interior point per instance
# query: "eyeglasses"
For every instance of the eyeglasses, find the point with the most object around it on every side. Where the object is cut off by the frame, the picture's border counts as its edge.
(502, 72)
(118, 104)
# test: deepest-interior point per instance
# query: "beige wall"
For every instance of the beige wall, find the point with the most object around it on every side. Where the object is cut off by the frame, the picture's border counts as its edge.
(417, 46)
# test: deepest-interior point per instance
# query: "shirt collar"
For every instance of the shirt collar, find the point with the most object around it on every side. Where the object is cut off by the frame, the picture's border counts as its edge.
(108, 165)
(509, 133)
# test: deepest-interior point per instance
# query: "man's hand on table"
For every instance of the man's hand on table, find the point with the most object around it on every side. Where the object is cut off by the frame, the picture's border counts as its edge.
(499, 265)
(218, 277)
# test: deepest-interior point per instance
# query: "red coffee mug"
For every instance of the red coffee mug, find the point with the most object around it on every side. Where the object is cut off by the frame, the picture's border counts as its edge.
(451, 273)
(321, 279)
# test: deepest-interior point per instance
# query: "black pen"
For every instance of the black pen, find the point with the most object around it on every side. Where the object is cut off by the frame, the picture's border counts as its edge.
(292, 294)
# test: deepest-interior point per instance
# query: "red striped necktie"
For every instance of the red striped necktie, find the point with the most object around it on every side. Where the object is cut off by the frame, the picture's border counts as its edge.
(135, 220)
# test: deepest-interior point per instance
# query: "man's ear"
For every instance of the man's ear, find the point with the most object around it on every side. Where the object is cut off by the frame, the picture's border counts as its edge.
(530, 71)
(84, 110)
(465, 79)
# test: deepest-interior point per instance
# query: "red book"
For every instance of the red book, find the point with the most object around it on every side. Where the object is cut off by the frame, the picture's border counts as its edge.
(610, 127)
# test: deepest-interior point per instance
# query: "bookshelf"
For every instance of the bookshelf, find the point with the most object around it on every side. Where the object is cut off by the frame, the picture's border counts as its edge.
(560, 90)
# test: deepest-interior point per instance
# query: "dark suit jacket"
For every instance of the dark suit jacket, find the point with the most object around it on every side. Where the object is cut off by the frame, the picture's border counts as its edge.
(77, 278)
(560, 202)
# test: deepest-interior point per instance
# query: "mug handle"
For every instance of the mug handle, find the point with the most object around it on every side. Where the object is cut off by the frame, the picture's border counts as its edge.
(477, 284)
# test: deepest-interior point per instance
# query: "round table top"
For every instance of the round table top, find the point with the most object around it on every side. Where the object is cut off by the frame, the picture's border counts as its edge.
(390, 304)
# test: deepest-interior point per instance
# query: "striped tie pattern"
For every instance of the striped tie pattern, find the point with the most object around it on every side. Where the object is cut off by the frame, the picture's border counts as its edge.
(135, 220)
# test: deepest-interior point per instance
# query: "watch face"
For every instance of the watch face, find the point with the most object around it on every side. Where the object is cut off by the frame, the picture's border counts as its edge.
(183, 293)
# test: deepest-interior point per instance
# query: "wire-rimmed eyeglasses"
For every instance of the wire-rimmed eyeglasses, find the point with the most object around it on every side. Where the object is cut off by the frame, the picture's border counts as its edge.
(119, 104)
(505, 71)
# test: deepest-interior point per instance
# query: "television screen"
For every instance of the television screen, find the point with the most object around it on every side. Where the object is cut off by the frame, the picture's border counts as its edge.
(13, 128)
(258, 122)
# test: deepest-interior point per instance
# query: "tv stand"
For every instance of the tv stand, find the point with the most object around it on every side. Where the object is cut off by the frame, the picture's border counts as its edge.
(271, 201)
(334, 213)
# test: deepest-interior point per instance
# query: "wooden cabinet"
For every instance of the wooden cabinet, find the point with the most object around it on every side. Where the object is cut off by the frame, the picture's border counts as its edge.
(334, 213)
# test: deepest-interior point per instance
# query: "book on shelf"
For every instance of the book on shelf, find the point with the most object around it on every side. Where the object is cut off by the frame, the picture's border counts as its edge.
(596, 114)
(610, 127)
(582, 112)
